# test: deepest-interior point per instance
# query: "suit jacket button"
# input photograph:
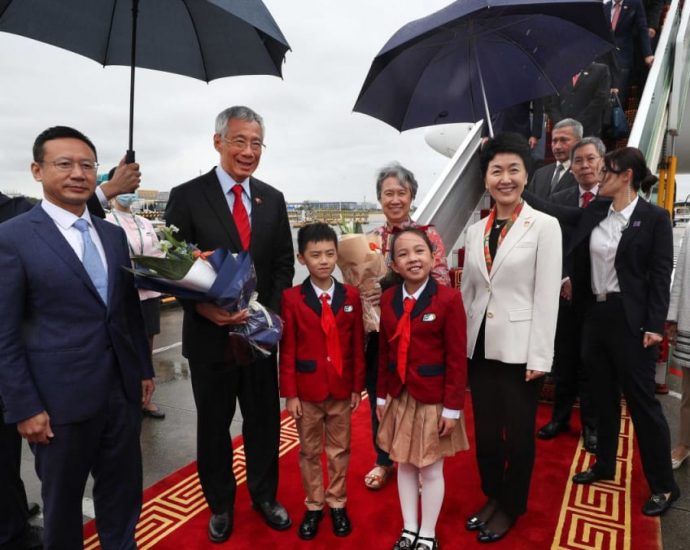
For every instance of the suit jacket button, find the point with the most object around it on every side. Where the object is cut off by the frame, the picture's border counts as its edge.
(489, 315)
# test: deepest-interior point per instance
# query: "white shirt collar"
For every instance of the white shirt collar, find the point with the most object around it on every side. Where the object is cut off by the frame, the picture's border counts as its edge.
(565, 165)
(320, 291)
(627, 211)
(227, 182)
(594, 190)
(417, 294)
(62, 217)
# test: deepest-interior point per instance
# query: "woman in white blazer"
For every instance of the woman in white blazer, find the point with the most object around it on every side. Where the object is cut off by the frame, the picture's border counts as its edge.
(510, 287)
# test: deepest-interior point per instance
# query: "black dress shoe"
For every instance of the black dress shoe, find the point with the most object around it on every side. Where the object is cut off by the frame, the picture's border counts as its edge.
(473, 523)
(341, 523)
(589, 476)
(552, 429)
(427, 543)
(487, 535)
(406, 543)
(589, 437)
(219, 527)
(658, 503)
(310, 524)
(274, 514)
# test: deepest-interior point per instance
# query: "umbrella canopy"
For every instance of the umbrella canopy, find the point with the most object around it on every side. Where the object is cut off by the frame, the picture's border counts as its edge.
(204, 39)
(475, 57)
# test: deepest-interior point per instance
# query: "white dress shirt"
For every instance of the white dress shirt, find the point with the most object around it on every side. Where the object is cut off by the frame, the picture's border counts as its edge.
(227, 183)
(319, 291)
(603, 245)
(64, 221)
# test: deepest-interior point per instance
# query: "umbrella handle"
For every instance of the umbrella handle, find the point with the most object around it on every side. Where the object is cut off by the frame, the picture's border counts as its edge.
(129, 156)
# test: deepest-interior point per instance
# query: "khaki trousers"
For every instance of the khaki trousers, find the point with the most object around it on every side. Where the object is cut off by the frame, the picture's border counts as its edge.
(685, 410)
(329, 419)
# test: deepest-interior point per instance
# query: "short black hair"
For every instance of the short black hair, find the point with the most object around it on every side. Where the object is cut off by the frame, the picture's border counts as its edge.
(59, 132)
(415, 231)
(315, 233)
(506, 142)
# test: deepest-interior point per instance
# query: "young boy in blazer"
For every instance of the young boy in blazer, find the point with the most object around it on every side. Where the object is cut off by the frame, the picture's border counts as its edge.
(322, 374)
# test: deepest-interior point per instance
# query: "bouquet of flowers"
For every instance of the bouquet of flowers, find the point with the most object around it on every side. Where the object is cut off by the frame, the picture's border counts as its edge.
(362, 265)
(225, 279)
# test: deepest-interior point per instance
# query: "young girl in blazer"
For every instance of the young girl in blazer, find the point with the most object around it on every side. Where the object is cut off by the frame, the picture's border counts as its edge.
(421, 384)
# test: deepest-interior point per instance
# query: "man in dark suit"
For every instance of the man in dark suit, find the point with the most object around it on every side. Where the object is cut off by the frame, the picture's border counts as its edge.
(571, 377)
(584, 99)
(228, 208)
(526, 119)
(75, 364)
(628, 24)
(557, 176)
(15, 531)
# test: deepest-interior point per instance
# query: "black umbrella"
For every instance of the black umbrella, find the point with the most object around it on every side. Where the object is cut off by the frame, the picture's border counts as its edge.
(475, 57)
(204, 39)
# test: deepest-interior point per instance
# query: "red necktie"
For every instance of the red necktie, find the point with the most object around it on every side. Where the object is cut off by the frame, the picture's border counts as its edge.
(575, 79)
(402, 331)
(330, 329)
(616, 14)
(239, 213)
(587, 197)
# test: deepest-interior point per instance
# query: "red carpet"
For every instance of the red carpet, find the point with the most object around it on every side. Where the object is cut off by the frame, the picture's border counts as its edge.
(560, 516)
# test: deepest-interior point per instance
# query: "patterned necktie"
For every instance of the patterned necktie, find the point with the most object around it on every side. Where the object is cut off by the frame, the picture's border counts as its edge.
(330, 329)
(615, 14)
(92, 261)
(402, 331)
(556, 175)
(587, 197)
(239, 213)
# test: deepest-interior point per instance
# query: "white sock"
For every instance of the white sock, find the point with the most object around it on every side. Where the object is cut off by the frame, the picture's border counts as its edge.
(408, 491)
(433, 490)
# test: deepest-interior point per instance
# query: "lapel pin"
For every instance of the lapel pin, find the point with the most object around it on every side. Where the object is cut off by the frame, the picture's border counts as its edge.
(348, 309)
(258, 200)
(637, 223)
(428, 317)
(526, 224)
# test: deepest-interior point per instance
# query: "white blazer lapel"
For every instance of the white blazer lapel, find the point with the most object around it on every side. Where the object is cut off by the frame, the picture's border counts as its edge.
(478, 253)
(522, 225)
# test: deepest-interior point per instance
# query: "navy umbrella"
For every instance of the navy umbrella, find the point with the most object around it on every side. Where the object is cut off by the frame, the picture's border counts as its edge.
(204, 39)
(475, 57)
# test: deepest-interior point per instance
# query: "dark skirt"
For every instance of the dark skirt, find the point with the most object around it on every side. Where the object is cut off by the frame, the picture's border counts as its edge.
(151, 311)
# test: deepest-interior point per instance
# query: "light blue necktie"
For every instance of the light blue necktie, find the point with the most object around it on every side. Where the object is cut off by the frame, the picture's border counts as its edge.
(92, 261)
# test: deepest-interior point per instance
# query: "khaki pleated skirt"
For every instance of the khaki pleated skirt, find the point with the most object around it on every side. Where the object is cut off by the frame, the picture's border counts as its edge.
(409, 432)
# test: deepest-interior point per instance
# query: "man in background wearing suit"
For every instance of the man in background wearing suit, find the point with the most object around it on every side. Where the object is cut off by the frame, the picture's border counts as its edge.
(74, 359)
(585, 99)
(15, 531)
(571, 377)
(628, 24)
(228, 208)
(557, 176)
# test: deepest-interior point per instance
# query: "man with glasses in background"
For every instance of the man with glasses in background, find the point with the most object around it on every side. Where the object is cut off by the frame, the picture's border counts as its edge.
(228, 208)
(572, 377)
(74, 360)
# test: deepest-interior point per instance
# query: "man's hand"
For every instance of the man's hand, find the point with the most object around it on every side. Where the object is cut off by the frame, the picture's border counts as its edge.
(567, 290)
(671, 331)
(615, 91)
(221, 317)
(651, 32)
(294, 407)
(446, 426)
(532, 142)
(651, 339)
(533, 375)
(649, 60)
(36, 429)
(355, 399)
(126, 179)
(147, 389)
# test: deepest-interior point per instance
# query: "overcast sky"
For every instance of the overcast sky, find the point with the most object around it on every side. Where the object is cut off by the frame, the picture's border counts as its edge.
(317, 148)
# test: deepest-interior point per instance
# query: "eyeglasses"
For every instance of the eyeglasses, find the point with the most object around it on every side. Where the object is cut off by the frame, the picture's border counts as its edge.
(582, 160)
(240, 143)
(605, 170)
(66, 165)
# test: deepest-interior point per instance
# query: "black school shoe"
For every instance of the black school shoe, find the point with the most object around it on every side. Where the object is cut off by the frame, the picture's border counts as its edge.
(406, 543)
(659, 503)
(341, 523)
(426, 543)
(310, 524)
